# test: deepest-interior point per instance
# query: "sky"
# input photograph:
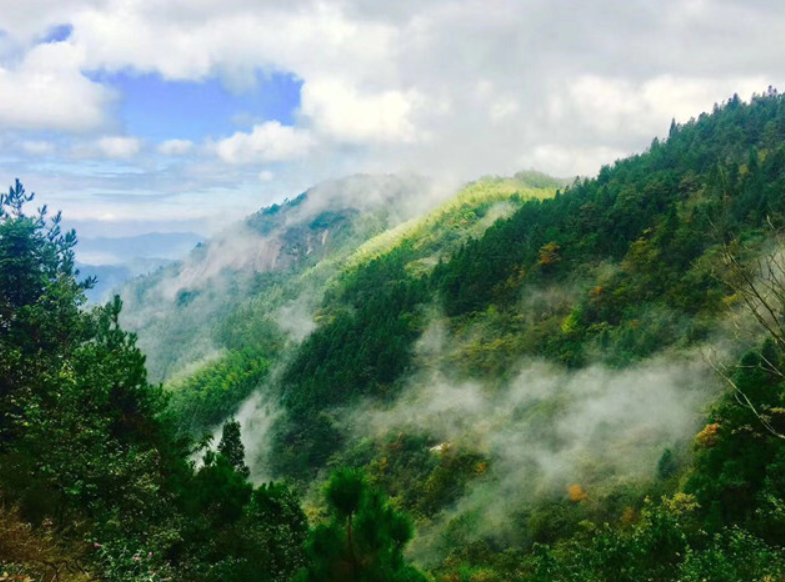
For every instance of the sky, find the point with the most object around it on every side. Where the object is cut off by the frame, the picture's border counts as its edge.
(152, 115)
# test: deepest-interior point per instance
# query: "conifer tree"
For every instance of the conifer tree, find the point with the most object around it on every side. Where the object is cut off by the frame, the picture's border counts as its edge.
(231, 447)
(364, 540)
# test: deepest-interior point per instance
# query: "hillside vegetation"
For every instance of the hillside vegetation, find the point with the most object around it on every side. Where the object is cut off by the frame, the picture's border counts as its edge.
(532, 381)
(558, 361)
(217, 324)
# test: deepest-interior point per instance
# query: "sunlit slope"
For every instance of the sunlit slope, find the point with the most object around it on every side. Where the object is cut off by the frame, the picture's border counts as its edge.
(183, 313)
(468, 214)
(216, 325)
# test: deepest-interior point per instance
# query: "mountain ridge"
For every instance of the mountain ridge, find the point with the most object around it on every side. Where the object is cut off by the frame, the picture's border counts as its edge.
(583, 384)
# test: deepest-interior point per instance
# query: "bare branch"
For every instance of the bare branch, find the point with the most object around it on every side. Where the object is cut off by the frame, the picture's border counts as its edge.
(742, 398)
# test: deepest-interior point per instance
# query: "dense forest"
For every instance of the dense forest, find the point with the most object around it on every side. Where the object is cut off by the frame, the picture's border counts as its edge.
(533, 381)
(96, 484)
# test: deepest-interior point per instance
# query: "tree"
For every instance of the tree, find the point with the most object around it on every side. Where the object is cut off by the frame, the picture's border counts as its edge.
(231, 447)
(40, 304)
(758, 283)
(364, 540)
(98, 482)
(667, 466)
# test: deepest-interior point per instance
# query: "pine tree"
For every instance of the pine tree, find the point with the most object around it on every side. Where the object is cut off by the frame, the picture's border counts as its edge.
(364, 540)
(232, 449)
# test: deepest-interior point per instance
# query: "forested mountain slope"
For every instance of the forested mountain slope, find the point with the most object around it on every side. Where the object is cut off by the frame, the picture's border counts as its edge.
(176, 309)
(556, 383)
(610, 271)
(95, 484)
(557, 362)
(239, 304)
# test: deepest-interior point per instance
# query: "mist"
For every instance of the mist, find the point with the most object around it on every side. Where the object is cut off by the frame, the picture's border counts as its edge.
(171, 309)
(544, 430)
(541, 427)
(257, 416)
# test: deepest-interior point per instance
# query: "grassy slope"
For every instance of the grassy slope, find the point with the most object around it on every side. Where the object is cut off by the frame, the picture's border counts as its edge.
(467, 214)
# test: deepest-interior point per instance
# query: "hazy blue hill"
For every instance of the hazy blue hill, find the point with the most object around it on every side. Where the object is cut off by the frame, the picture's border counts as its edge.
(155, 245)
(109, 277)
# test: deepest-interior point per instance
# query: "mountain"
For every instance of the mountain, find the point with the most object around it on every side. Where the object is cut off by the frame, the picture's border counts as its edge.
(178, 311)
(528, 379)
(217, 324)
(114, 260)
(544, 343)
(109, 277)
(105, 250)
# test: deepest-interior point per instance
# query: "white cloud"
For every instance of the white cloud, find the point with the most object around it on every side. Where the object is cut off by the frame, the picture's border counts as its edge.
(175, 147)
(456, 88)
(38, 147)
(339, 110)
(28, 20)
(616, 106)
(119, 147)
(193, 40)
(267, 142)
(266, 176)
(565, 161)
(47, 90)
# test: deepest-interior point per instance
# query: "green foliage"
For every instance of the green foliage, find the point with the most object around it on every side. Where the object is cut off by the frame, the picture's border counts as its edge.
(345, 491)
(215, 392)
(732, 556)
(667, 465)
(466, 215)
(232, 449)
(364, 540)
(657, 218)
(89, 459)
(421, 477)
(362, 351)
(725, 524)
(234, 532)
(666, 544)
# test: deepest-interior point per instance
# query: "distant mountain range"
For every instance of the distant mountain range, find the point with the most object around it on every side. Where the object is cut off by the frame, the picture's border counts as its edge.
(115, 260)
(118, 250)
(108, 277)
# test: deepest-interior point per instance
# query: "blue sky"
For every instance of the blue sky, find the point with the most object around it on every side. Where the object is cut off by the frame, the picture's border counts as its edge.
(156, 109)
(135, 115)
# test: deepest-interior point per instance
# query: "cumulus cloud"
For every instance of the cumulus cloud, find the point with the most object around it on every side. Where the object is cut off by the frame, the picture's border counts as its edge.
(268, 142)
(47, 90)
(342, 112)
(232, 39)
(450, 88)
(118, 147)
(175, 147)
